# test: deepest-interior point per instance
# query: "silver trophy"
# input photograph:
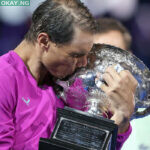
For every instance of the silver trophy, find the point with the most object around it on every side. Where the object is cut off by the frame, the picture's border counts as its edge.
(82, 89)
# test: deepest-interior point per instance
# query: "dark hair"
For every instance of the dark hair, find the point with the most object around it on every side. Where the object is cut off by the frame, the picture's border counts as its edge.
(58, 18)
(108, 24)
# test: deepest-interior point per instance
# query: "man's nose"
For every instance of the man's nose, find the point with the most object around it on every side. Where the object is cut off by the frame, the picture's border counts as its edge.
(82, 62)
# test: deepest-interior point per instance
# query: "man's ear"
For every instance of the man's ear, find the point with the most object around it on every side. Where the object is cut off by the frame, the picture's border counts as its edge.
(43, 41)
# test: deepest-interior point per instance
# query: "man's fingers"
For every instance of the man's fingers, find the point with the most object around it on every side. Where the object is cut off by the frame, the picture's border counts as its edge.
(113, 73)
(107, 78)
(128, 77)
(104, 88)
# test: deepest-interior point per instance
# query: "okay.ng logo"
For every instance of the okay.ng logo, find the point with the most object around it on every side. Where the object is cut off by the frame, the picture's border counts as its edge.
(14, 2)
(27, 101)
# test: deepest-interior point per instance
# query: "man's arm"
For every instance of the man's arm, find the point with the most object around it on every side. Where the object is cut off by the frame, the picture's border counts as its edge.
(122, 137)
(120, 90)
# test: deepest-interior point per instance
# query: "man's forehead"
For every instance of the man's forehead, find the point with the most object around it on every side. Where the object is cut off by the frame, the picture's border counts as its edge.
(83, 39)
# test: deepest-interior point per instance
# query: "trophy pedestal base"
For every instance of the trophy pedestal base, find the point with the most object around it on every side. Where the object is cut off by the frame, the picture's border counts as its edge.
(77, 130)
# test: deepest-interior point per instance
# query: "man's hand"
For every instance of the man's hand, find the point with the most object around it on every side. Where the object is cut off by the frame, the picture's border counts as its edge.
(120, 90)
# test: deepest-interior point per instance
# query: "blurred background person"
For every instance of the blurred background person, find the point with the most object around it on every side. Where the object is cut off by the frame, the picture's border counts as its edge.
(111, 31)
(134, 14)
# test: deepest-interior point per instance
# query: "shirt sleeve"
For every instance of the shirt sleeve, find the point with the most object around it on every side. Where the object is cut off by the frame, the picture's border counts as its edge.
(121, 138)
(7, 128)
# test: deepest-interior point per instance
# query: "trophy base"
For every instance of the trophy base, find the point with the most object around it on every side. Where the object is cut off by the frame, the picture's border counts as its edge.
(77, 130)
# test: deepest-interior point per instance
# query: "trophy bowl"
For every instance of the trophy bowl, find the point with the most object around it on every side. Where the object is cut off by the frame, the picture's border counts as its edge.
(81, 90)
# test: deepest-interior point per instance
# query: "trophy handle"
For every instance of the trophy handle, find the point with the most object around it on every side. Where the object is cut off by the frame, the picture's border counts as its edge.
(140, 114)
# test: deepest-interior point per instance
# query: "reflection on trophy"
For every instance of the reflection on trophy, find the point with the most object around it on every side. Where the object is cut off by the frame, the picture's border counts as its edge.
(84, 86)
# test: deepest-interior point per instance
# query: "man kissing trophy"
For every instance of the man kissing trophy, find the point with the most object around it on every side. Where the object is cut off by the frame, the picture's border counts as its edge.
(90, 130)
